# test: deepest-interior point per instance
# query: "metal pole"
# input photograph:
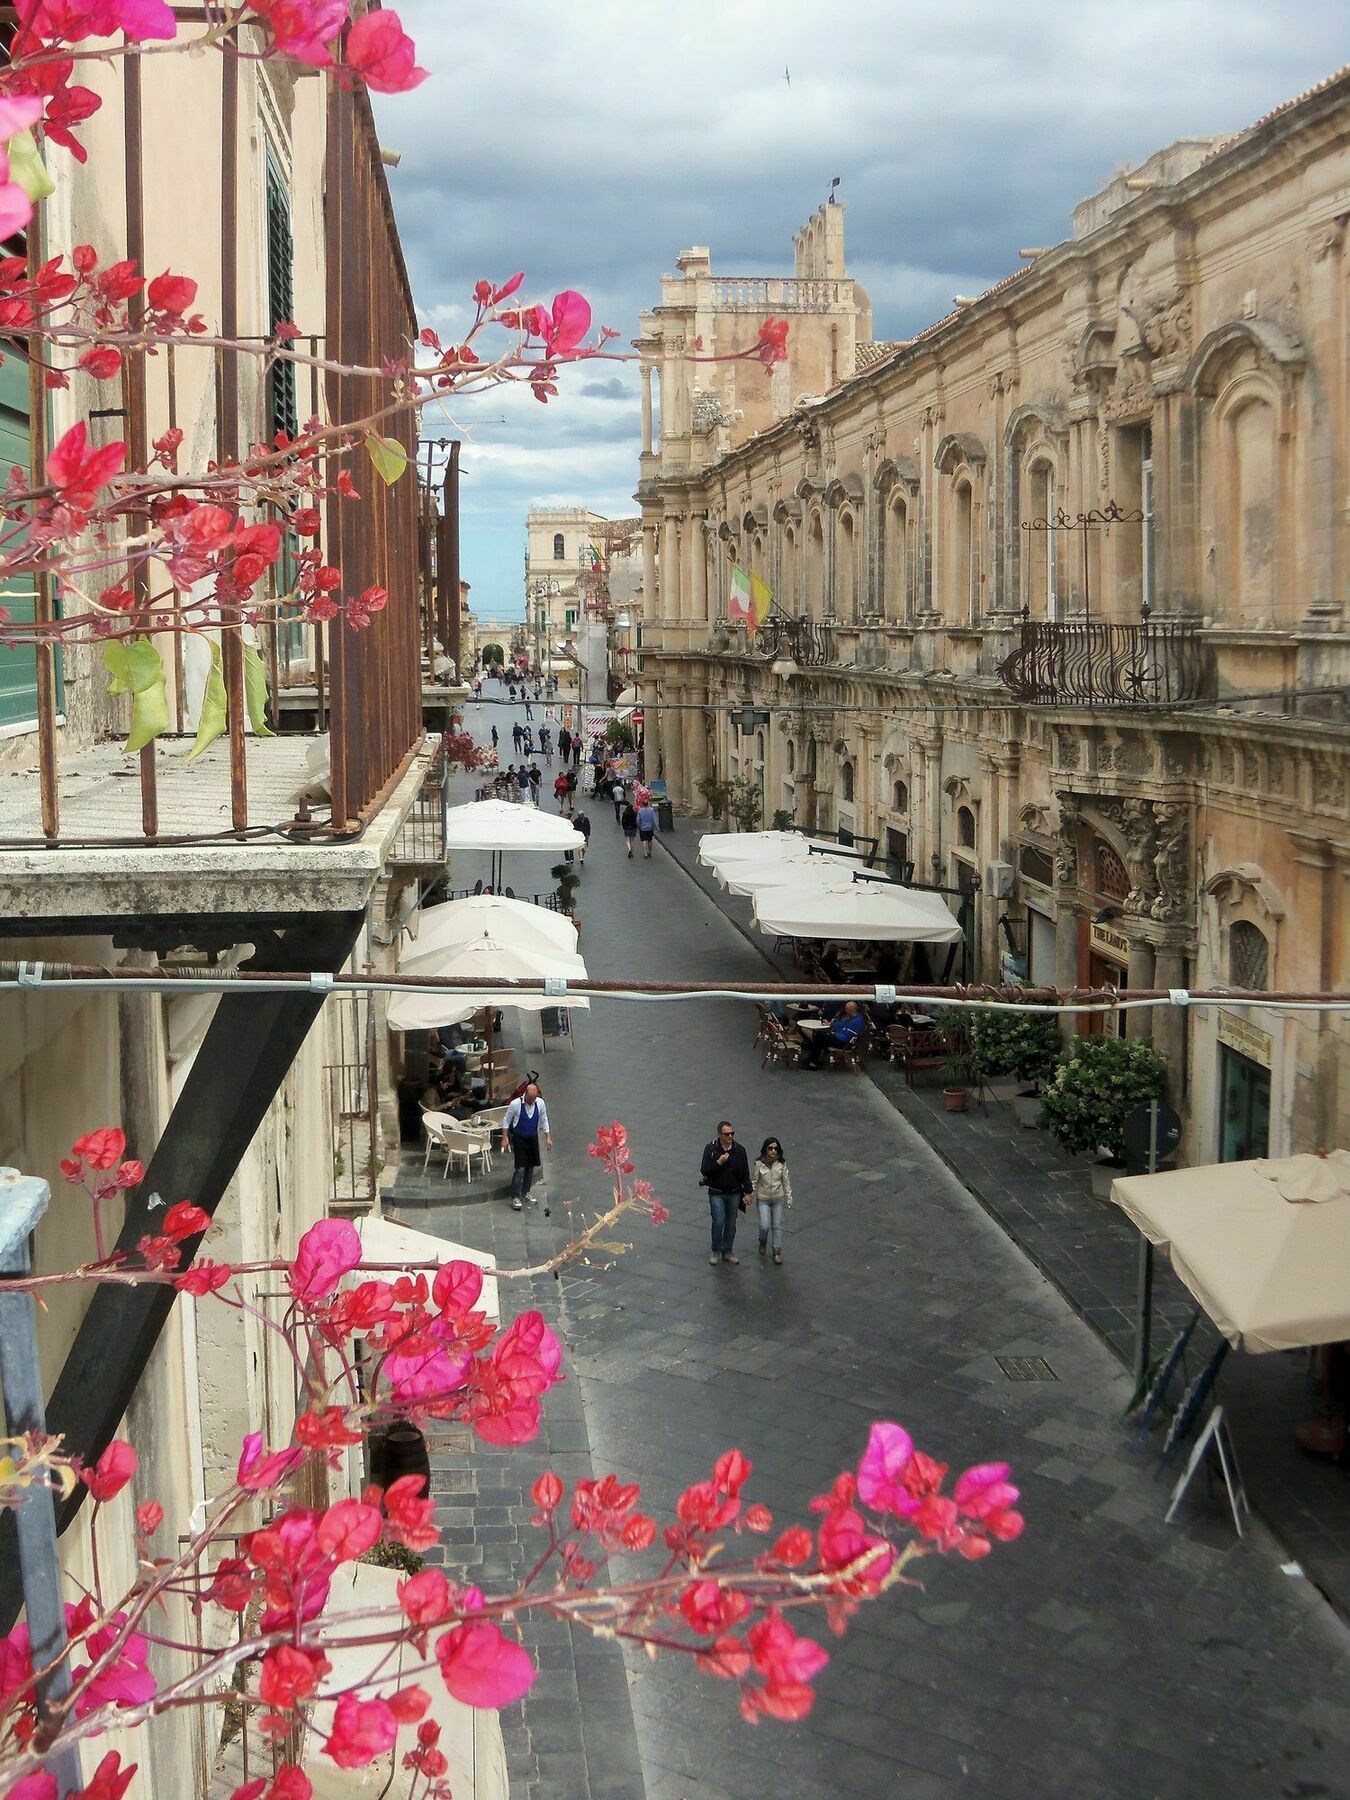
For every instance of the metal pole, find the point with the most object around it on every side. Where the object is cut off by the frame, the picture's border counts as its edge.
(1144, 1272)
(24, 1200)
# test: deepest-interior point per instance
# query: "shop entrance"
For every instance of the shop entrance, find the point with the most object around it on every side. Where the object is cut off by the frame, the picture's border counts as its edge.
(1245, 1127)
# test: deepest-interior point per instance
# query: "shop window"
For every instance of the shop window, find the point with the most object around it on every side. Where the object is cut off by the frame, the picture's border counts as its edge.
(1248, 956)
(1113, 878)
(965, 828)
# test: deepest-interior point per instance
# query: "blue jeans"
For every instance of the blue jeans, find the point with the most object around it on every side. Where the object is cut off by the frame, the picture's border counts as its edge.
(724, 1209)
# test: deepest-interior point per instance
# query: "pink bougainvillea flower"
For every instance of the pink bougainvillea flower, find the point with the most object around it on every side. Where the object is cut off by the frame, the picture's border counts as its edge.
(425, 1598)
(361, 1731)
(184, 1220)
(289, 1675)
(257, 1471)
(570, 321)
(113, 1470)
(303, 29)
(123, 1681)
(363, 606)
(149, 1517)
(142, 20)
(325, 1254)
(412, 1518)
(456, 1288)
(110, 1780)
(171, 293)
(482, 1668)
(37, 1786)
(205, 1277)
(348, 1529)
(383, 54)
(16, 209)
(103, 1148)
(77, 471)
(882, 1469)
(18, 112)
(772, 343)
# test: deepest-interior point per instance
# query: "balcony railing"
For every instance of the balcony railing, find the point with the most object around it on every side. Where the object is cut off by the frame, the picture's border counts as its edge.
(802, 641)
(1092, 662)
(756, 293)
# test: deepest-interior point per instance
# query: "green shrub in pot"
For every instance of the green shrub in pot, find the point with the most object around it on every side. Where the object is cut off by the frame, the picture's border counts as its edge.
(1095, 1089)
(1025, 1045)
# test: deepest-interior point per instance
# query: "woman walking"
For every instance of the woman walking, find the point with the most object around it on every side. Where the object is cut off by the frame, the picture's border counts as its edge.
(629, 823)
(773, 1191)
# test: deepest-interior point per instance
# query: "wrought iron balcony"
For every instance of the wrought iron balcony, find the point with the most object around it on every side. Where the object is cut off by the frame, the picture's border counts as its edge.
(802, 641)
(1093, 662)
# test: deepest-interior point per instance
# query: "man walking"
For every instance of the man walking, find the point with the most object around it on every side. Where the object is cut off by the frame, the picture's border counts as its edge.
(494, 737)
(565, 744)
(576, 750)
(536, 776)
(725, 1172)
(523, 782)
(583, 825)
(526, 1118)
(516, 735)
(529, 710)
(646, 824)
(616, 795)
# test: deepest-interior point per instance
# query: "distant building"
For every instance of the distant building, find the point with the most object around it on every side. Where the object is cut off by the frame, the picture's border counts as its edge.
(1126, 747)
(583, 597)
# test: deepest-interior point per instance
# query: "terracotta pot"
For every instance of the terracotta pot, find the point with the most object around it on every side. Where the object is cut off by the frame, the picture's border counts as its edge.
(956, 1098)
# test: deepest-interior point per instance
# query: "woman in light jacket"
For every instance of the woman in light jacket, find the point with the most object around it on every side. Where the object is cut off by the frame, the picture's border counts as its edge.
(773, 1191)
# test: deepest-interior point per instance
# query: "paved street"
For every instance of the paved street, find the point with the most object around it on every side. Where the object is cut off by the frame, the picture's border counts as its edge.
(1103, 1655)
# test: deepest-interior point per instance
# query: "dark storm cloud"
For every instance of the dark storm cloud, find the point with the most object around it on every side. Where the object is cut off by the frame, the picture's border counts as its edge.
(591, 145)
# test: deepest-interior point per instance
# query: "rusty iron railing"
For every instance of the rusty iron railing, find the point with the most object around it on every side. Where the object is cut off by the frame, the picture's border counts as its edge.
(419, 847)
(1077, 662)
(367, 682)
(353, 1089)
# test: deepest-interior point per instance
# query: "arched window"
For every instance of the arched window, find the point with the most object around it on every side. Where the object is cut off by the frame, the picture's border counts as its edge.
(899, 797)
(965, 828)
(791, 756)
(961, 556)
(815, 567)
(787, 569)
(895, 559)
(1248, 956)
(1252, 530)
(845, 603)
(559, 547)
(1039, 588)
(846, 781)
(1113, 878)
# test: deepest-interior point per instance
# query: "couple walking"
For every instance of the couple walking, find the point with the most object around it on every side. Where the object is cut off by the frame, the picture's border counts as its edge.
(726, 1173)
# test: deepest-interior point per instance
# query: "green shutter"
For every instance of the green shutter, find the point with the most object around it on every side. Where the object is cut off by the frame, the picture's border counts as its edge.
(18, 666)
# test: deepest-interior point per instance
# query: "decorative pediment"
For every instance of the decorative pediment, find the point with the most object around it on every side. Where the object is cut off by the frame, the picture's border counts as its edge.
(959, 447)
(1274, 344)
(756, 518)
(1245, 883)
(1095, 351)
(787, 512)
(807, 488)
(844, 490)
(1037, 416)
(902, 471)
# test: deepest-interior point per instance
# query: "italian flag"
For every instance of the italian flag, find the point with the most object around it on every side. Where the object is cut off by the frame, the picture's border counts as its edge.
(751, 598)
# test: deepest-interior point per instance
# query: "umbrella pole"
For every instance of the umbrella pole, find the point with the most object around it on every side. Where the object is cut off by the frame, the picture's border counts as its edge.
(1143, 1330)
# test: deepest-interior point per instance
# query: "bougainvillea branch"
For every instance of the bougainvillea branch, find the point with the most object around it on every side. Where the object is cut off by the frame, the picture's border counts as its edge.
(721, 1579)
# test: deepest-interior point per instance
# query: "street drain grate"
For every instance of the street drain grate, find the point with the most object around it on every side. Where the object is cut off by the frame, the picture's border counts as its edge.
(1026, 1368)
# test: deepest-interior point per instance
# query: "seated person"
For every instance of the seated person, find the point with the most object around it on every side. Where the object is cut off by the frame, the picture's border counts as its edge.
(845, 1029)
(449, 1093)
(830, 964)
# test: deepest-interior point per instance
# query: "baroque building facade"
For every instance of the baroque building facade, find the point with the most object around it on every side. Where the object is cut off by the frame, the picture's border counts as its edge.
(1124, 735)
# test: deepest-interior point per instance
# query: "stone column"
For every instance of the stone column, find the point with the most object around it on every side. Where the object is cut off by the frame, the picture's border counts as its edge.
(670, 740)
(668, 575)
(926, 869)
(695, 741)
(1139, 975)
(1169, 1022)
(646, 372)
(1066, 958)
(649, 569)
(698, 554)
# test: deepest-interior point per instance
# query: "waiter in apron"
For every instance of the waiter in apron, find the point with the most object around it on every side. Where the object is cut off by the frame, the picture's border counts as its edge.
(526, 1118)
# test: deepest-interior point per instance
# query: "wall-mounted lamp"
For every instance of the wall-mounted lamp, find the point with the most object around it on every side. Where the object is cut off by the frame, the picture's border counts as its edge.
(784, 668)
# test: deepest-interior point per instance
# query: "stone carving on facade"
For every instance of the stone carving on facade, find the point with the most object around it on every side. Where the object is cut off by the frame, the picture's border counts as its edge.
(1251, 771)
(1172, 860)
(1066, 842)
(1326, 239)
(1136, 821)
(1066, 749)
(706, 411)
(1034, 820)
(1328, 784)
(1166, 328)
(1275, 773)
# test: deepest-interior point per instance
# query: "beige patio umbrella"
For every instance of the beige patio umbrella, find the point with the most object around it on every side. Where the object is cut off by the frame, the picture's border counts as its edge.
(515, 924)
(1264, 1246)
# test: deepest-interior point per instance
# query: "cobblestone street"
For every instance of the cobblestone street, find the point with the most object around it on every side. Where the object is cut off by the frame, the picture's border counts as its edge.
(1104, 1654)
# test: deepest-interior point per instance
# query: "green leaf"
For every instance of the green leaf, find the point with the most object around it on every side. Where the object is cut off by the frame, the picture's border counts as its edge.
(27, 167)
(388, 457)
(211, 721)
(255, 690)
(134, 667)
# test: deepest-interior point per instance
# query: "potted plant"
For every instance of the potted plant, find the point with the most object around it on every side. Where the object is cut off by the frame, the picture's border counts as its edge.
(565, 874)
(959, 1065)
(715, 793)
(1092, 1093)
(1024, 1046)
(746, 804)
(782, 819)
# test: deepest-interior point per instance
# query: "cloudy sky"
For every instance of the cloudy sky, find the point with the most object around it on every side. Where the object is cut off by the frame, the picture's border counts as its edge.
(589, 143)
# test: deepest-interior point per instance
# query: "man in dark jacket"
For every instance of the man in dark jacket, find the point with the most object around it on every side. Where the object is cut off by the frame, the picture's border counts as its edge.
(725, 1172)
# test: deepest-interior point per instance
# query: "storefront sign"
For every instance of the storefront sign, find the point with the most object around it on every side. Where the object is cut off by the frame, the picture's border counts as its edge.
(1110, 943)
(1246, 1039)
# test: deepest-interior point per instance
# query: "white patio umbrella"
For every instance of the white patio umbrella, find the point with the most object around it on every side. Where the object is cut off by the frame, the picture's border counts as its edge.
(514, 923)
(863, 909)
(1264, 1246)
(818, 875)
(497, 966)
(499, 825)
(718, 848)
